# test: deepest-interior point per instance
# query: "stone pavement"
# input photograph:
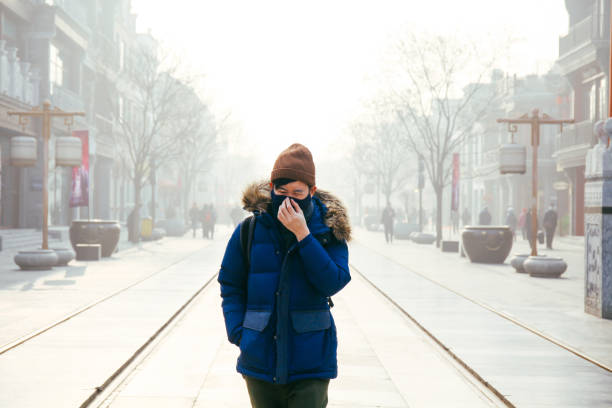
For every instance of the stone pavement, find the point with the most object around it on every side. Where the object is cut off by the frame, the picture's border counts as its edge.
(63, 366)
(384, 361)
(530, 371)
(552, 306)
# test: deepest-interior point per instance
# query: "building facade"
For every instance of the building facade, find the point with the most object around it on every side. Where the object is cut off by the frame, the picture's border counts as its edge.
(70, 52)
(583, 59)
(482, 184)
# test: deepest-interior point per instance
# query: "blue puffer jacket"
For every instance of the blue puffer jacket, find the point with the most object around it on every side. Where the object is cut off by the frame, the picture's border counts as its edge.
(277, 311)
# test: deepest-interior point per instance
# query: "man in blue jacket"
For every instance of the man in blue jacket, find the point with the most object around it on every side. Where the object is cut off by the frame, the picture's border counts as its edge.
(276, 303)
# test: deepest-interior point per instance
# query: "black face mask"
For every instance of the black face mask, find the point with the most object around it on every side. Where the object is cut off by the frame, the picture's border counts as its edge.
(305, 203)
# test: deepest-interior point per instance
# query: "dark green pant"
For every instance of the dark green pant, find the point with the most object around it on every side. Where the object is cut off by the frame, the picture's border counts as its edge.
(308, 393)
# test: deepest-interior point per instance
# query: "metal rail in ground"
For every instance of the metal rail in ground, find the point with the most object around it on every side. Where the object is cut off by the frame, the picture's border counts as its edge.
(517, 322)
(462, 363)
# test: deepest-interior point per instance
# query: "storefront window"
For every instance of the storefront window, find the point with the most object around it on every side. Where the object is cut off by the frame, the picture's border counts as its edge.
(56, 68)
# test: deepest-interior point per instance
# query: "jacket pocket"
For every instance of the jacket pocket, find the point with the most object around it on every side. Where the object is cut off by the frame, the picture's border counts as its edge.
(305, 321)
(313, 345)
(255, 347)
(256, 319)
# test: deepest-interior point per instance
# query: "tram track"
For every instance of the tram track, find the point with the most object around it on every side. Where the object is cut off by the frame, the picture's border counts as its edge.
(32, 335)
(99, 390)
(491, 309)
(435, 339)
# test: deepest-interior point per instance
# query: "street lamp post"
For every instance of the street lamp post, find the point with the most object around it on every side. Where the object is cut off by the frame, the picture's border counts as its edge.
(46, 114)
(535, 120)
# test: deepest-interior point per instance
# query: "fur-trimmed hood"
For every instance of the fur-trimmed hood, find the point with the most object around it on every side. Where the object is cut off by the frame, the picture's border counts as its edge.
(256, 197)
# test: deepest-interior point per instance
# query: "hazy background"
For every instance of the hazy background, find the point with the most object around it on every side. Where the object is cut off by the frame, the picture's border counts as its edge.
(290, 71)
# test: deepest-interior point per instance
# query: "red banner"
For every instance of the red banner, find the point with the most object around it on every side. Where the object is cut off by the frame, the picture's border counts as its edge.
(455, 190)
(79, 196)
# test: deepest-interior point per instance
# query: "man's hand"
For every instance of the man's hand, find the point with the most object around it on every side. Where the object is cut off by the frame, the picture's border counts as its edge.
(292, 217)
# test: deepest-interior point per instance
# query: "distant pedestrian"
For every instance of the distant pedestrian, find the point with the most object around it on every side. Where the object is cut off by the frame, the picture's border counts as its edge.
(550, 224)
(466, 217)
(521, 222)
(194, 216)
(276, 302)
(205, 219)
(387, 219)
(484, 218)
(511, 221)
(531, 236)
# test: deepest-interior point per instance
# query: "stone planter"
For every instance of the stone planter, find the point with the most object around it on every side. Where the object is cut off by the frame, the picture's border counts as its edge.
(36, 259)
(544, 266)
(423, 238)
(64, 256)
(517, 262)
(487, 244)
(105, 233)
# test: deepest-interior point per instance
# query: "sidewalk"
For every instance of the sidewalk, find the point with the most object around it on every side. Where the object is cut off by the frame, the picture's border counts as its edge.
(31, 300)
(552, 306)
(443, 291)
(63, 366)
(384, 361)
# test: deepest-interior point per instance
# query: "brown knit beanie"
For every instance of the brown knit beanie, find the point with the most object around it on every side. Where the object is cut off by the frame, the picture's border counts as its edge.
(295, 163)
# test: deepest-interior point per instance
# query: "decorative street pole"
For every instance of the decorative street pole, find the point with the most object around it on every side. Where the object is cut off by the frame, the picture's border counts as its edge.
(535, 121)
(46, 114)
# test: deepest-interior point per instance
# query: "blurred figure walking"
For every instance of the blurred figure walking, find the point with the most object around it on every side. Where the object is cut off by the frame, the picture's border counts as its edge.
(529, 230)
(484, 218)
(208, 219)
(387, 219)
(194, 215)
(550, 224)
(511, 221)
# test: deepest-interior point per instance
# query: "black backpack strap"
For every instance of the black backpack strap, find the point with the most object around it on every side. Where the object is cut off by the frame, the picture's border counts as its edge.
(247, 229)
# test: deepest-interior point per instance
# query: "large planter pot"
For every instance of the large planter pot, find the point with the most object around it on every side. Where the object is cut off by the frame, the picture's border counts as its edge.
(64, 256)
(105, 233)
(544, 266)
(423, 238)
(36, 259)
(517, 262)
(487, 244)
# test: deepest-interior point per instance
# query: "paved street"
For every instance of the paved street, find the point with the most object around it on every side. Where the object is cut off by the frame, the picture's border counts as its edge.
(552, 306)
(385, 359)
(445, 293)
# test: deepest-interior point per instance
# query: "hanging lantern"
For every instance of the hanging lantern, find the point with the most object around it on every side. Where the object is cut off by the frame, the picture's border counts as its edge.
(23, 151)
(512, 159)
(68, 151)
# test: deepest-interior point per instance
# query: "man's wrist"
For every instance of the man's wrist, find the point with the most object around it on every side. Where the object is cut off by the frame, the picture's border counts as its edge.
(302, 234)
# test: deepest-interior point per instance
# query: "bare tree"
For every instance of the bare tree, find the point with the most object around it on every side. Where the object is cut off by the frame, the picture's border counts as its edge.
(379, 151)
(152, 114)
(198, 149)
(436, 112)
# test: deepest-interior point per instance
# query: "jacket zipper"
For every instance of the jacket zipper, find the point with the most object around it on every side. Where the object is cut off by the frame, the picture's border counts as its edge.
(281, 340)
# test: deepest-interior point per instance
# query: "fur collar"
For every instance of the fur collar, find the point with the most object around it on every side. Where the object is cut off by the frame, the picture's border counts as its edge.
(256, 197)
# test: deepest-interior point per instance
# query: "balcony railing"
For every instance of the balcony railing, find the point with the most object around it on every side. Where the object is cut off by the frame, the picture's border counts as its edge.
(577, 134)
(17, 79)
(579, 34)
(67, 100)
